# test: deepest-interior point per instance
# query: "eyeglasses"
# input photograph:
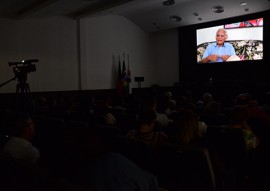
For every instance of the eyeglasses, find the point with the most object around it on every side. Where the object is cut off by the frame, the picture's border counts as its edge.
(220, 35)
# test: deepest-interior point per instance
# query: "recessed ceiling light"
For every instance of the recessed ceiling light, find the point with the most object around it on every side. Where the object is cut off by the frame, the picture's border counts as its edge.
(243, 3)
(168, 2)
(196, 14)
(86, 0)
(217, 9)
(175, 18)
(246, 9)
(199, 18)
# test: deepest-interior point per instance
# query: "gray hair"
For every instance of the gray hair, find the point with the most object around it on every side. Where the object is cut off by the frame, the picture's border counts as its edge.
(225, 32)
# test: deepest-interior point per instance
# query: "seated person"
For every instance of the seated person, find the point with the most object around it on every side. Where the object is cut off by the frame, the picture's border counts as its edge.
(145, 130)
(162, 119)
(187, 131)
(21, 130)
(113, 171)
(219, 51)
(238, 119)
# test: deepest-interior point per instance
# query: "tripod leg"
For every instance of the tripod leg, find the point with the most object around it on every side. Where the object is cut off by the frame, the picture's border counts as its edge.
(18, 88)
(24, 99)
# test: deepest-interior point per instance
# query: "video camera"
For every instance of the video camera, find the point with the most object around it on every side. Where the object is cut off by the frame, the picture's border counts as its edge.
(21, 68)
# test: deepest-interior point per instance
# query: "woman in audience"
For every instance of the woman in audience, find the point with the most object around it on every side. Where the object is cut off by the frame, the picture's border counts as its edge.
(145, 130)
(186, 129)
(245, 153)
(238, 119)
(202, 125)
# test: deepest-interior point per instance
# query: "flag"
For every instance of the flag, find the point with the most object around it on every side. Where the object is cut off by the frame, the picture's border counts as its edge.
(120, 79)
(124, 77)
(128, 72)
(128, 78)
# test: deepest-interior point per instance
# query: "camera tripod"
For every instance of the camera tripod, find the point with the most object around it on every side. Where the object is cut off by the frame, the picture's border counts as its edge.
(24, 102)
(22, 87)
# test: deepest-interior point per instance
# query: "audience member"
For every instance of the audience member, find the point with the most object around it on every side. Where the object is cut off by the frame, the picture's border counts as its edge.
(103, 114)
(145, 130)
(258, 119)
(238, 119)
(113, 171)
(205, 99)
(183, 98)
(201, 124)
(187, 132)
(162, 119)
(266, 103)
(21, 130)
(169, 104)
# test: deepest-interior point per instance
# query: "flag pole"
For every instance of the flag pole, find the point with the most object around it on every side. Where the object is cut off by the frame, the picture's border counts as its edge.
(128, 76)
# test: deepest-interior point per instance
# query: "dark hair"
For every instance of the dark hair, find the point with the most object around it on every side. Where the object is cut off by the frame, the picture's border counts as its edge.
(186, 127)
(242, 99)
(238, 114)
(149, 100)
(146, 115)
(17, 122)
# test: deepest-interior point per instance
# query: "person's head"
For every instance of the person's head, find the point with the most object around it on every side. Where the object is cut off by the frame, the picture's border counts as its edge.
(266, 97)
(212, 107)
(186, 126)
(242, 99)
(21, 125)
(238, 115)
(221, 36)
(206, 98)
(147, 116)
(150, 100)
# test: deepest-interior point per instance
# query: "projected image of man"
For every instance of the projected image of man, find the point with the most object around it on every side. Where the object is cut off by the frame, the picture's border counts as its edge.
(220, 50)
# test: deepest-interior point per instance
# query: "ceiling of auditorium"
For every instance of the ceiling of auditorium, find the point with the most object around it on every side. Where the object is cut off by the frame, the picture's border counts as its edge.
(150, 15)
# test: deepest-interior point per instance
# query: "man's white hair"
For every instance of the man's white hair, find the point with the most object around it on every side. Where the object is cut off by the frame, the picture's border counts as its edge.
(222, 29)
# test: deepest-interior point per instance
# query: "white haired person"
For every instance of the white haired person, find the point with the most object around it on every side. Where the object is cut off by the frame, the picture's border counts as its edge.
(219, 51)
(21, 130)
